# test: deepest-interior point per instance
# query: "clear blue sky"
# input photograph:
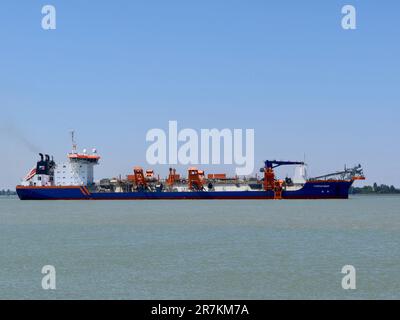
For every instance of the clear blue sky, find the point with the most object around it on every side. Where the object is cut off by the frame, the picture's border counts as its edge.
(115, 69)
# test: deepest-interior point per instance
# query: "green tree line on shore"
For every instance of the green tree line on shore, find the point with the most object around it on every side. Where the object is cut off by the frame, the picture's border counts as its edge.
(7, 192)
(375, 189)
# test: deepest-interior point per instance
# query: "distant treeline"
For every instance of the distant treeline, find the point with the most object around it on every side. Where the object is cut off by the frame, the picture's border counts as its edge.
(7, 192)
(375, 189)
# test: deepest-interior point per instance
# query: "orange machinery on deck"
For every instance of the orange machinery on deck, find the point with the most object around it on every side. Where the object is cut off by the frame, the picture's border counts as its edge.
(217, 176)
(269, 179)
(172, 177)
(138, 177)
(270, 183)
(196, 179)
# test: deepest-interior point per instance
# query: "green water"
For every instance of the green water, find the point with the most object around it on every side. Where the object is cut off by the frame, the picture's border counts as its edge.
(201, 249)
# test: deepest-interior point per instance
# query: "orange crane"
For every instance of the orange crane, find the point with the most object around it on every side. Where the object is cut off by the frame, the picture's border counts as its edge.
(172, 177)
(270, 183)
(196, 179)
(139, 178)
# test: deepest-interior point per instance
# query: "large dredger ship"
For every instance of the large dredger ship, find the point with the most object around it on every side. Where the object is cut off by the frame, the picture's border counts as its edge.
(74, 180)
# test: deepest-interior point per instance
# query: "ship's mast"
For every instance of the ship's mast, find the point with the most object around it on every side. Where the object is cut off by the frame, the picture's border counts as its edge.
(72, 132)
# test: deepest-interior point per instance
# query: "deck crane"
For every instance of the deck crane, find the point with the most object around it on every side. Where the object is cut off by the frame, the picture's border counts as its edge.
(354, 173)
(139, 179)
(274, 163)
(270, 184)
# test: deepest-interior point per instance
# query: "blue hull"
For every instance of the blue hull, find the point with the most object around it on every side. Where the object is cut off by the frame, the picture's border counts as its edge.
(311, 190)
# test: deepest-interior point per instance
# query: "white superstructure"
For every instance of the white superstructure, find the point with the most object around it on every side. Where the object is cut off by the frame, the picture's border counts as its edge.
(77, 171)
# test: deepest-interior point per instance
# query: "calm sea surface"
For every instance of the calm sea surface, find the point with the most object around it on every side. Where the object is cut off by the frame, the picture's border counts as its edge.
(201, 249)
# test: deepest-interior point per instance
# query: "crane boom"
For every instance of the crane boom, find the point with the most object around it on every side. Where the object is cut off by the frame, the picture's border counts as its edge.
(274, 163)
(270, 183)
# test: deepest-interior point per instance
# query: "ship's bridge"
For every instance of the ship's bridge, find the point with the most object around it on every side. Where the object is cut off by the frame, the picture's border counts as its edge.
(78, 171)
(92, 158)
